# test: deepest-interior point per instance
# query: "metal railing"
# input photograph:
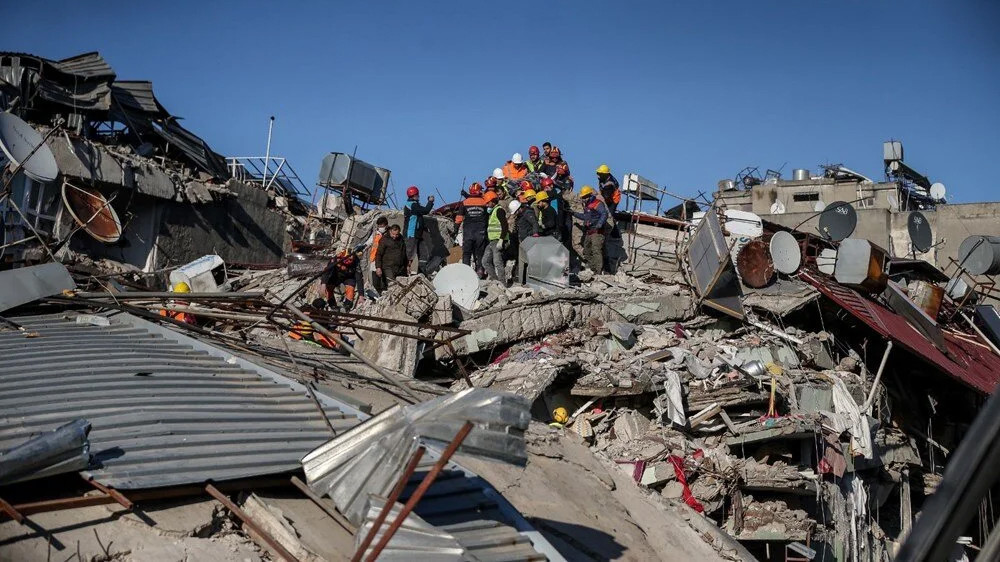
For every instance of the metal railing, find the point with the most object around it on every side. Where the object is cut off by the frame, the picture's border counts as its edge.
(269, 173)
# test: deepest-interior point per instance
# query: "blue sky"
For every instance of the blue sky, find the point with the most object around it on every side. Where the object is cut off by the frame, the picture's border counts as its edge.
(682, 93)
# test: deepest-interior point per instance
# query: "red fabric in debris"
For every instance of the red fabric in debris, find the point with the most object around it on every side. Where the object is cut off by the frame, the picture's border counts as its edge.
(687, 496)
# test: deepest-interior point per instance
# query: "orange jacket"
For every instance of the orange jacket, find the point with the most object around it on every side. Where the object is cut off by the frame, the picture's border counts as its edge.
(375, 241)
(512, 172)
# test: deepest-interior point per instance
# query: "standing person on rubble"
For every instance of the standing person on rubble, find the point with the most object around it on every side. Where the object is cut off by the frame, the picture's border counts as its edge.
(381, 228)
(610, 190)
(497, 237)
(595, 224)
(390, 259)
(341, 275)
(413, 222)
(526, 226)
(535, 162)
(548, 224)
(473, 217)
(515, 168)
(546, 148)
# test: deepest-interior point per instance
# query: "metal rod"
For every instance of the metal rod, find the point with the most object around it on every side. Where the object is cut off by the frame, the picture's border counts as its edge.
(111, 492)
(421, 490)
(336, 516)
(322, 413)
(131, 295)
(461, 367)
(411, 467)
(245, 518)
(878, 378)
(351, 350)
(11, 511)
(267, 153)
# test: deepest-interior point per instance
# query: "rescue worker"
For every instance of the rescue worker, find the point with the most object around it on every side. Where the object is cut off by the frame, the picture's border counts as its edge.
(390, 259)
(515, 168)
(610, 190)
(413, 222)
(381, 227)
(180, 288)
(497, 236)
(341, 275)
(548, 224)
(552, 161)
(535, 162)
(546, 147)
(526, 222)
(473, 218)
(492, 186)
(595, 221)
(562, 177)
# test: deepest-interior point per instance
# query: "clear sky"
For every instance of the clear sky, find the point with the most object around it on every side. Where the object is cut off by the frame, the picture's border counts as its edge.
(682, 93)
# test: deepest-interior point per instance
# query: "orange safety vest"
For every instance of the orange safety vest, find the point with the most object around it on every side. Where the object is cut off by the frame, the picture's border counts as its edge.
(510, 171)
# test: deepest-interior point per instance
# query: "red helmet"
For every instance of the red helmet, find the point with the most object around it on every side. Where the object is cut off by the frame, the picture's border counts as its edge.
(491, 182)
(412, 191)
(562, 169)
(476, 189)
(533, 151)
(555, 152)
(547, 183)
(526, 185)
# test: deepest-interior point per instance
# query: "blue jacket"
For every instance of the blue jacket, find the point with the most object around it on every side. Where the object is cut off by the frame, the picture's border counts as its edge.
(413, 217)
(594, 216)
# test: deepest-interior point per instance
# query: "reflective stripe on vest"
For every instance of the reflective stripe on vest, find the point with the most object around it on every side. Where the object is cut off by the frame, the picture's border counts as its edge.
(494, 230)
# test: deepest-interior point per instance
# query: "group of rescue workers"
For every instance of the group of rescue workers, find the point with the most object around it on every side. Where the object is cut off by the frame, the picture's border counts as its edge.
(521, 199)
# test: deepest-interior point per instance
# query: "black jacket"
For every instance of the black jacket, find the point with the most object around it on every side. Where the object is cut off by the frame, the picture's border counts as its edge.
(548, 222)
(391, 253)
(526, 223)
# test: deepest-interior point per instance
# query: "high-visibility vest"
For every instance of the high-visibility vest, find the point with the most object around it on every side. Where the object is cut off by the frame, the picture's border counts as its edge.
(371, 253)
(494, 230)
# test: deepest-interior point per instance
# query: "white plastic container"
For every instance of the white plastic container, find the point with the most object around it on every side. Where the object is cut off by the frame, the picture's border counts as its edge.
(206, 274)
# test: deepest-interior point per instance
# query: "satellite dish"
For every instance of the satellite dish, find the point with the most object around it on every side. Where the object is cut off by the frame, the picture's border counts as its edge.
(18, 140)
(785, 252)
(819, 206)
(92, 212)
(826, 260)
(980, 255)
(777, 208)
(838, 221)
(921, 236)
(458, 281)
(937, 191)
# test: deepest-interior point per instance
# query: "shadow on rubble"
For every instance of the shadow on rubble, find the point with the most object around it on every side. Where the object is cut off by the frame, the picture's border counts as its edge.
(576, 542)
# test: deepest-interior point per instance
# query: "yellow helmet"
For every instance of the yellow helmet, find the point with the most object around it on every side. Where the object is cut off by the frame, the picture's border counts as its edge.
(560, 415)
(586, 191)
(603, 169)
(541, 196)
(528, 194)
(181, 287)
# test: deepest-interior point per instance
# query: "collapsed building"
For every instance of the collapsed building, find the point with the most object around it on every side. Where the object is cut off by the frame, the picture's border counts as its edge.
(745, 384)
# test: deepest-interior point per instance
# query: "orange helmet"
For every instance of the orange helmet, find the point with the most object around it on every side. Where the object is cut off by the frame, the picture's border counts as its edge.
(491, 182)
(526, 185)
(547, 183)
(476, 189)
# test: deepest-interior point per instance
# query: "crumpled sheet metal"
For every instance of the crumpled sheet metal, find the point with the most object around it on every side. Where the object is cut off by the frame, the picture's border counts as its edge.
(415, 541)
(368, 458)
(64, 449)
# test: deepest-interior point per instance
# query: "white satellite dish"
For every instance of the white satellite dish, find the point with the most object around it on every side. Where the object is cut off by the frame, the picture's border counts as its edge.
(458, 281)
(785, 252)
(777, 208)
(819, 206)
(826, 260)
(937, 191)
(18, 140)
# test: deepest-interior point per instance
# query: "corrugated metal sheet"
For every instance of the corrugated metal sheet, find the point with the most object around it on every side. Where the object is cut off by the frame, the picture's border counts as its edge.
(975, 365)
(137, 95)
(165, 409)
(87, 65)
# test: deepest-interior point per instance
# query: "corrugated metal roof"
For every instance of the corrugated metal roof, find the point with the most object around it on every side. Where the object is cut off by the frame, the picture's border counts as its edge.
(165, 409)
(975, 365)
(137, 95)
(87, 65)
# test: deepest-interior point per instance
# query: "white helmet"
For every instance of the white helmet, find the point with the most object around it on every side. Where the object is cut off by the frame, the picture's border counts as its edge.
(498, 173)
(513, 206)
(516, 158)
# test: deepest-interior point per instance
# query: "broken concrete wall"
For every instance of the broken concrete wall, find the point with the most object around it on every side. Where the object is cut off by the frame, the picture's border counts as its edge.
(244, 228)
